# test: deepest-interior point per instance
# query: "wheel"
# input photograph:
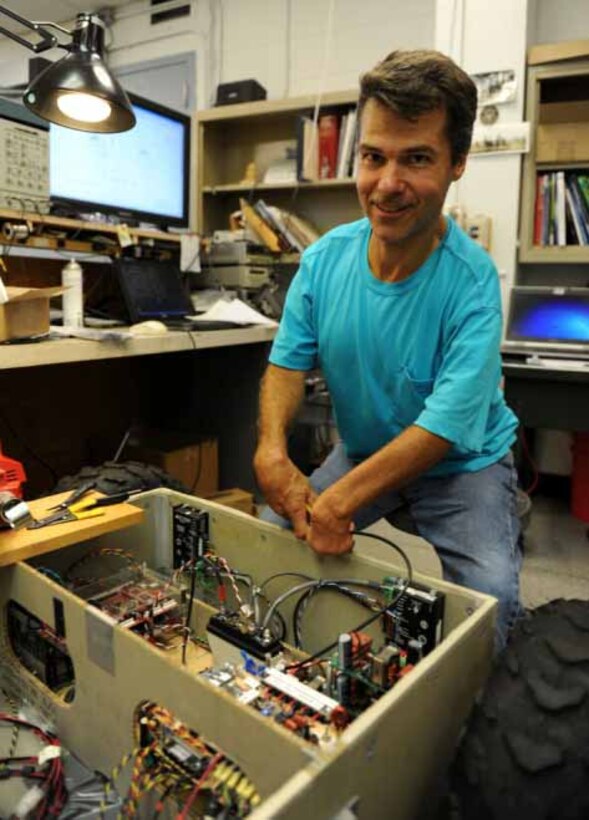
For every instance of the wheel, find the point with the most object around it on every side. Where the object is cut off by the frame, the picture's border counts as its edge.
(525, 751)
(114, 477)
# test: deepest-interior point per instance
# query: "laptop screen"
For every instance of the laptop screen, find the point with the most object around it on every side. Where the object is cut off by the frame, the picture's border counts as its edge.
(549, 317)
(152, 289)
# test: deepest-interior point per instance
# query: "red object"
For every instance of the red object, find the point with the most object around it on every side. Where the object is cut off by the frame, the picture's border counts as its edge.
(580, 477)
(12, 475)
(328, 141)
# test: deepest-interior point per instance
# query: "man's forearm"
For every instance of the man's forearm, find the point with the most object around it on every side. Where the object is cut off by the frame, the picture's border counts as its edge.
(394, 465)
(281, 395)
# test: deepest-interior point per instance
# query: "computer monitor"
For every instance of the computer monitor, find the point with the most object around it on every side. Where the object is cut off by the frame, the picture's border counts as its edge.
(141, 175)
(548, 319)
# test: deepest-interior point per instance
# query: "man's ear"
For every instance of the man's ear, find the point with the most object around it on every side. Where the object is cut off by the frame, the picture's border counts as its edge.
(458, 168)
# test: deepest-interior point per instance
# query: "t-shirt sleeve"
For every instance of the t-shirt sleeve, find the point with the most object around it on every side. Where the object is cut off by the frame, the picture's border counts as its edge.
(295, 344)
(458, 407)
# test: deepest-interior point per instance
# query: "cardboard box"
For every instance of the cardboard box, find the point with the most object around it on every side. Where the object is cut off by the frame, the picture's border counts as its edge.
(555, 52)
(195, 464)
(562, 142)
(26, 313)
(236, 499)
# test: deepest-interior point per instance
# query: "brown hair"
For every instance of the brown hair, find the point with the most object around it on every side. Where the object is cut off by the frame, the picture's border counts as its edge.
(412, 83)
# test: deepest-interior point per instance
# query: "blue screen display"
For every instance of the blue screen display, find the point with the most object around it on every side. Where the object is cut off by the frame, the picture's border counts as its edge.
(553, 318)
(140, 170)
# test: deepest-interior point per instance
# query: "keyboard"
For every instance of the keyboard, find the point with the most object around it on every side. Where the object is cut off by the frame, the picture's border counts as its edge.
(196, 325)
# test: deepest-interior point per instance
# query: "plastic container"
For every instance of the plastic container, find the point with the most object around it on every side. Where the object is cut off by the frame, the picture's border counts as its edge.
(73, 301)
(580, 477)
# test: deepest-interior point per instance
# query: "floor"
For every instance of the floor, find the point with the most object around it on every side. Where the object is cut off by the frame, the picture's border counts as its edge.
(556, 552)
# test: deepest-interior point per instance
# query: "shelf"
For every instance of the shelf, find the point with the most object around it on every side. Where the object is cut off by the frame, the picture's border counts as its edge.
(77, 225)
(569, 254)
(290, 105)
(278, 186)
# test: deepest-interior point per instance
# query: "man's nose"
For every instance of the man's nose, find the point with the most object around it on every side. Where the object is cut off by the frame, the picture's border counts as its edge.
(392, 179)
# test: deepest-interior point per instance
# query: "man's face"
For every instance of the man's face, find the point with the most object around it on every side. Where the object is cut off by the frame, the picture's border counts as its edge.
(404, 172)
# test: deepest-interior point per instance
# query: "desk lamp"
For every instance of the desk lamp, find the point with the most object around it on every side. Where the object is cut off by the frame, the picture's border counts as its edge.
(77, 91)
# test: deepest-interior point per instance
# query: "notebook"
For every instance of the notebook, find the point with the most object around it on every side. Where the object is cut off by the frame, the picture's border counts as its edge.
(548, 322)
(153, 290)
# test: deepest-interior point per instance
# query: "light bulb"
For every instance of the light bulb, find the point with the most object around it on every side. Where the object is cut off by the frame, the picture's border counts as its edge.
(83, 107)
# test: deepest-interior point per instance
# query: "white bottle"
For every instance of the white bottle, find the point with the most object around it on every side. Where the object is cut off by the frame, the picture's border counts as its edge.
(73, 303)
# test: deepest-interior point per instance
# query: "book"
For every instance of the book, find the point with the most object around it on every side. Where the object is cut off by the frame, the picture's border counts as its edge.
(307, 149)
(539, 209)
(261, 229)
(328, 126)
(576, 219)
(583, 182)
(559, 209)
(347, 142)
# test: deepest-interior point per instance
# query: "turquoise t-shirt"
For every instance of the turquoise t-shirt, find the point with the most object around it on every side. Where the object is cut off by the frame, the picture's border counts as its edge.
(422, 351)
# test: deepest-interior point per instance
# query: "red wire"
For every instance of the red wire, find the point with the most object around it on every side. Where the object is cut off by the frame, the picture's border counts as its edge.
(194, 793)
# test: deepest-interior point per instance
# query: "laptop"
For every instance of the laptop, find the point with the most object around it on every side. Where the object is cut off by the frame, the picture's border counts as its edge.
(548, 322)
(153, 290)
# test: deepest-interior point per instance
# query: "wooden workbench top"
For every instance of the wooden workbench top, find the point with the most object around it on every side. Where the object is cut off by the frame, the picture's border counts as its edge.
(18, 545)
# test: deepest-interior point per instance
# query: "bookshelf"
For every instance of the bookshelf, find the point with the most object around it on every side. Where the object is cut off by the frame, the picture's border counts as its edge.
(229, 138)
(557, 107)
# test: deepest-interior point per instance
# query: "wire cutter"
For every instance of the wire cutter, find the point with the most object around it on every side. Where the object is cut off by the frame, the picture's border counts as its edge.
(79, 510)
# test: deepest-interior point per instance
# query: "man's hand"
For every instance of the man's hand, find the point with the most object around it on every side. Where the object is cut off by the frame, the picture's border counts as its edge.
(285, 488)
(329, 533)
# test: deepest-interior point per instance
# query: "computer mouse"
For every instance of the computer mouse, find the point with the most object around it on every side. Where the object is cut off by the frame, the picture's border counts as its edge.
(152, 327)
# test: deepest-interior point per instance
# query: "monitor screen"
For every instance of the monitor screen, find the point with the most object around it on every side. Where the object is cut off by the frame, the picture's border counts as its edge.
(141, 174)
(152, 289)
(549, 315)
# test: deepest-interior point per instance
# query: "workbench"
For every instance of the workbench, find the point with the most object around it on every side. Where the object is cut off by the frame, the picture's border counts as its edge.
(67, 403)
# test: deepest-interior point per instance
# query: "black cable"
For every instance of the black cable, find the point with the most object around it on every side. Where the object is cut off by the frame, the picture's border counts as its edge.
(322, 586)
(377, 614)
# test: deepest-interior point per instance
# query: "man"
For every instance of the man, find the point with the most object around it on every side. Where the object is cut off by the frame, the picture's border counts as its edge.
(402, 313)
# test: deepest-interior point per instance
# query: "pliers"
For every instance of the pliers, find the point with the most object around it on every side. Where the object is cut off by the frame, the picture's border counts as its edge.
(79, 510)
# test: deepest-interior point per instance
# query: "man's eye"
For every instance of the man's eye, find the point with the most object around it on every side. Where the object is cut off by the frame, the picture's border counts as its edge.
(370, 158)
(419, 159)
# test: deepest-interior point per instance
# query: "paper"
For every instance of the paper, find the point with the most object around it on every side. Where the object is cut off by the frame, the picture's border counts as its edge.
(190, 252)
(235, 311)
(93, 334)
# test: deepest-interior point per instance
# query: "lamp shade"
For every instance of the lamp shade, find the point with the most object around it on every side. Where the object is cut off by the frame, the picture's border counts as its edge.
(79, 91)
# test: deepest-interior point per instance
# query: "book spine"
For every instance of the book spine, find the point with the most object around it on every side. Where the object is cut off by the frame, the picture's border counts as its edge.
(328, 143)
(580, 236)
(538, 209)
(560, 212)
(579, 204)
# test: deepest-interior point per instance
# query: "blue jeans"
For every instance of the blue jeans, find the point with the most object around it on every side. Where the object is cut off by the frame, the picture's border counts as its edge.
(469, 518)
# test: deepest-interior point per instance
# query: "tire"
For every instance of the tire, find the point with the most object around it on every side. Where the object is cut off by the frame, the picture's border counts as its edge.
(114, 477)
(525, 752)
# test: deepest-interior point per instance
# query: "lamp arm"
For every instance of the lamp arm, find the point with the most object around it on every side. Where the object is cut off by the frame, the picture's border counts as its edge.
(47, 41)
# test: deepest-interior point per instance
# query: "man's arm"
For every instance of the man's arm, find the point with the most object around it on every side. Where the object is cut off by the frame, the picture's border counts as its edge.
(285, 488)
(404, 458)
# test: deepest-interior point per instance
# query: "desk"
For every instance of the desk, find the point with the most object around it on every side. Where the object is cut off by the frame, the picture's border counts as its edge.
(544, 397)
(69, 402)
(64, 351)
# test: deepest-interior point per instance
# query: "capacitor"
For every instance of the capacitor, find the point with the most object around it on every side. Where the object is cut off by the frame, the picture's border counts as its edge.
(344, 651)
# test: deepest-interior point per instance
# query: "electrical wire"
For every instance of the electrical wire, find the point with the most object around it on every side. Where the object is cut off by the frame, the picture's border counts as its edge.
(376, 615)
(323, 586)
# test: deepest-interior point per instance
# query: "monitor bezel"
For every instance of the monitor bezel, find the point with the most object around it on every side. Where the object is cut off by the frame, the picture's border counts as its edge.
(528, 341)
(132, 214)
(122, 264)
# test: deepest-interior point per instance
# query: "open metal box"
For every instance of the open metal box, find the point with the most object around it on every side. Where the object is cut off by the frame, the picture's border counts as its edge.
(382, 764)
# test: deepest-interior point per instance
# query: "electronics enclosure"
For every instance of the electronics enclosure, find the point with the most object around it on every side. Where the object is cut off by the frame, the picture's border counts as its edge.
(387, 760)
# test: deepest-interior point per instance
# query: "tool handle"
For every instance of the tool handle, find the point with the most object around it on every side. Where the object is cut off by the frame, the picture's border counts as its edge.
(78, 493)
(117, 498)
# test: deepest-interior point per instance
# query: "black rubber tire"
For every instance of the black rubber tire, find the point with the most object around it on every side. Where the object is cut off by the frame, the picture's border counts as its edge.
(116, 477)
(525, 751)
